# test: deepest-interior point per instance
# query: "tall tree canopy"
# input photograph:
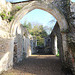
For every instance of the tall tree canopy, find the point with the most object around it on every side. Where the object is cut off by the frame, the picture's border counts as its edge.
(37, 31)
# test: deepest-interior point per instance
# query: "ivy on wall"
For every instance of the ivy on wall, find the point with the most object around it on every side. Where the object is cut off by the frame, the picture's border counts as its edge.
(6, 16)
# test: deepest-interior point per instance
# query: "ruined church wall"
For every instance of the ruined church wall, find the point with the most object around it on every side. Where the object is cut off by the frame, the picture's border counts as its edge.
(65, 54)
(6, 42)
(56, 32)
(27, 47)
(22, 42)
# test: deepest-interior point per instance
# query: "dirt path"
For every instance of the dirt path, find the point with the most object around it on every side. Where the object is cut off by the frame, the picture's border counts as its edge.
(37, 65)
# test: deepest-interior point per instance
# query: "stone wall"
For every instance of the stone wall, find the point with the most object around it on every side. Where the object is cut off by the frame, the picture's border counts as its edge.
(6, 43)
(5, 5)
(22, 43)
(7, 40)
(71, 35)
(66, 7)
(57, 33)
(65, 52)
(6, 47)
(27, 47)
(47, 41)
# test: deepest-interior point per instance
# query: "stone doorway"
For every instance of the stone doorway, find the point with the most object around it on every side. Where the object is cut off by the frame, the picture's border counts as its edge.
(50, 9)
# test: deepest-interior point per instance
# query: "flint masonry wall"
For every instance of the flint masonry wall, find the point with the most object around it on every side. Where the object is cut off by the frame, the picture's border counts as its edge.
(66, 56)
(56, 33)
(7, 41)
(22, 43)
(65, 6)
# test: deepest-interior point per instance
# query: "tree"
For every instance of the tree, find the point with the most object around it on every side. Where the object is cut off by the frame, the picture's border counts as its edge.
(48, 29)
(37, 31)
(40, 33)
(27, 25)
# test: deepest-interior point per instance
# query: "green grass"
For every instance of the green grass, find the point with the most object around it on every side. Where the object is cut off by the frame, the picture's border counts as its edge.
(57, 55)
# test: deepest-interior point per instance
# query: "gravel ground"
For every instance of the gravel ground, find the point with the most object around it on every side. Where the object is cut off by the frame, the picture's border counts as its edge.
(37, 65)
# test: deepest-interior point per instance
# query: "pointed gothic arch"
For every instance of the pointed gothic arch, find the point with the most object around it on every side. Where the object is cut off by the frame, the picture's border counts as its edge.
(37, 5)
(48, 7)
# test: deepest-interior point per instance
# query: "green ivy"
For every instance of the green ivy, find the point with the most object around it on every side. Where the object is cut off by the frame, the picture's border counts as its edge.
(8, 13)
(18, 7)
(11, 18)
(3, 15)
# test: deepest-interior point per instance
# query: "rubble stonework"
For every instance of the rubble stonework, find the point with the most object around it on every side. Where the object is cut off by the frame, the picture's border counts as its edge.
(9, 39)
(22, 47)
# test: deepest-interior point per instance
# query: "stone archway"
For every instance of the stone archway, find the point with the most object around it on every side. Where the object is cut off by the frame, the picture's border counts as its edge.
(43, 6)
(37, 5)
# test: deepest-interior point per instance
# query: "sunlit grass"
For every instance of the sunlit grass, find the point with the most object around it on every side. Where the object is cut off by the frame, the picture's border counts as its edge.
(57, 55)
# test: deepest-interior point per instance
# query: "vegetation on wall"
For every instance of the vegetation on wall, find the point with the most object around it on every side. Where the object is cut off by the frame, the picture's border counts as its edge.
(18, 7)
(6, 16)
(10, 18)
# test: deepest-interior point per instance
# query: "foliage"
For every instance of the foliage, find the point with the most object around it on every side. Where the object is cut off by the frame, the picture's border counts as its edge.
(37, 31)
(18, 7)
(6, 16)
(40, 41)
(40, 33)
(28, 26)
(3, 15)
(10, 18)
(57, 54)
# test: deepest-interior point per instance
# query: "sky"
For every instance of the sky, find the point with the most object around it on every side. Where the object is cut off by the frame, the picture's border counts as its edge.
(25, 0)
(39, 17)
(73, 0)
(15, 0)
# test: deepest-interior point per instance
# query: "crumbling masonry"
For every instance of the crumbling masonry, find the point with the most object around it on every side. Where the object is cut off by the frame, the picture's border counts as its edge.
(62, 10)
